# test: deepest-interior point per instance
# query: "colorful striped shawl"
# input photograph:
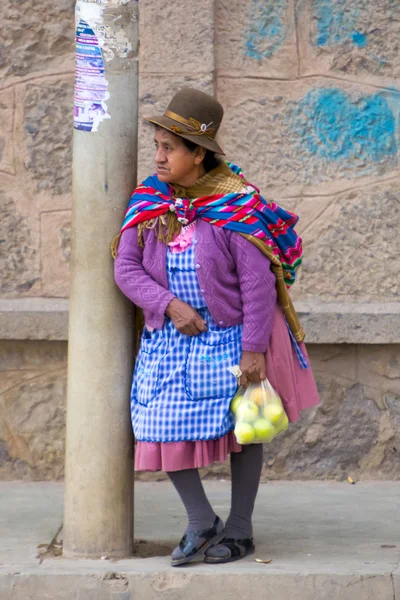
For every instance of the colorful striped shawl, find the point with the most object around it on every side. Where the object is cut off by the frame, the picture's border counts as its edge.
(245, 212)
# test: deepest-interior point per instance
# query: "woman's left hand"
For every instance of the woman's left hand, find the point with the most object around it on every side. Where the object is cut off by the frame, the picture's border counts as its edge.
(252, 365)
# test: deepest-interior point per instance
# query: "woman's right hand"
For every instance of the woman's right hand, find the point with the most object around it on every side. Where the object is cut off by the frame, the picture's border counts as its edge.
(185, 318)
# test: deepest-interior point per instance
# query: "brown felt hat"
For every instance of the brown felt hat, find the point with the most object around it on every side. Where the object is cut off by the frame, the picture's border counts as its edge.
(193, 115)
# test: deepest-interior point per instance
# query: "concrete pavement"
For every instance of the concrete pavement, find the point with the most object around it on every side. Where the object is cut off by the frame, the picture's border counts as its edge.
(326, 541)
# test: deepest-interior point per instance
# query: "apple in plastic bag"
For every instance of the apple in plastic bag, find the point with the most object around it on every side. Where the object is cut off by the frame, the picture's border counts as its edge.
(264, 429)
(247, 412)
(274, 412)
(235, 403)
(244, 433)
(257, 396)
(283, 423)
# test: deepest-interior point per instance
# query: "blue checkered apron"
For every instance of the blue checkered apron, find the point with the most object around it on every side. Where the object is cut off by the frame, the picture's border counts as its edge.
(181, 386)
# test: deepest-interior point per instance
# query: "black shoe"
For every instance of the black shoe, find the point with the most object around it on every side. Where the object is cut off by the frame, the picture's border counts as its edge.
(228, 550)
(195, 543)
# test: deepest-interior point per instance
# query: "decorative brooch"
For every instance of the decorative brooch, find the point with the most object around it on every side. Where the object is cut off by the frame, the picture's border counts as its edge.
(184, 210)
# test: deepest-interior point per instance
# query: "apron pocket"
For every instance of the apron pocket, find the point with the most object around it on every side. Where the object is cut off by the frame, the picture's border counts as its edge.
(151, 352)
(210, 355)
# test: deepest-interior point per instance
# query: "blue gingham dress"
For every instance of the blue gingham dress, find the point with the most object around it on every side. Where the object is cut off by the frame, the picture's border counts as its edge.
(182, 388)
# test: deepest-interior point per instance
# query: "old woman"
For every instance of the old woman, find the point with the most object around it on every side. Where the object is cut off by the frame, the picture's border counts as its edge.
(209, 262)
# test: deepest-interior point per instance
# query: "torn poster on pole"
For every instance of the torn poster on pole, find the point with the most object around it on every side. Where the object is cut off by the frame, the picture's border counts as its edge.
(91, 92)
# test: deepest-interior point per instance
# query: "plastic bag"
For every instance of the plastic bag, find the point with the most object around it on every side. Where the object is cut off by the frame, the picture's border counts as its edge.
(258, 413)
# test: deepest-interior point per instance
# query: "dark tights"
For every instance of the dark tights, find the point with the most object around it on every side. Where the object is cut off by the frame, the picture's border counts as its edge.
(245, 471)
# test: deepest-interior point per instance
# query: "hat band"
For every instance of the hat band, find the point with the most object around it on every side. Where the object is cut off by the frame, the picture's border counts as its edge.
(196, 128)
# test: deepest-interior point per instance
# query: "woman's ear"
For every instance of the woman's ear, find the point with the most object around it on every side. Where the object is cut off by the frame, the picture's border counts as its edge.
(199, 155)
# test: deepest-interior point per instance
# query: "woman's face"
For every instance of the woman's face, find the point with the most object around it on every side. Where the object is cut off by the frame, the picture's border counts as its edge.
(175, 162)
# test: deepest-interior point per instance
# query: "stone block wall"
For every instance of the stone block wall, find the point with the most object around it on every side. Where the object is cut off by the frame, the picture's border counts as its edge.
(33, 376)
(355, 431)
(36, 95)
(312, 103)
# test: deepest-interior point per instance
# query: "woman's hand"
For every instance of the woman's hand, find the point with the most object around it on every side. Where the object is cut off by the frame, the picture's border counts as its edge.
(252, 366)
(185, 318)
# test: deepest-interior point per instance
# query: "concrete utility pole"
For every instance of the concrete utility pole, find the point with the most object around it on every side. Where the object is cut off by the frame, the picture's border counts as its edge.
(98, 514)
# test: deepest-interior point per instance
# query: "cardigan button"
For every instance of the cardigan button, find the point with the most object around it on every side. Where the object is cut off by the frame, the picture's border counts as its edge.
(221, 323)
(197, 266)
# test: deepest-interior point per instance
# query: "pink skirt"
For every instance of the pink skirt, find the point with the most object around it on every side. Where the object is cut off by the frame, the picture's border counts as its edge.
(295, 386)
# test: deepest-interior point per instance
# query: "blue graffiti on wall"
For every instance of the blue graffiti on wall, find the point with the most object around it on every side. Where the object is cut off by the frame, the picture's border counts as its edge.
(267, 28)
(359, 39)
(337, 23)
(331, 126)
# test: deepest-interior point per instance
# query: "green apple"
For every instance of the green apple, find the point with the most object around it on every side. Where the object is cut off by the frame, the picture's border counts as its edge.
(247, 412)
(274, 412)
(264, 430)
(283, 423)
(235, 403)
(244, 433)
